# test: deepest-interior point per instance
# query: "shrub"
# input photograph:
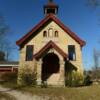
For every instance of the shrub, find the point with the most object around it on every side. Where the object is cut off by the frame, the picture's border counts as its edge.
(75, 79)
(68, 80)
(28, 77)
(87, 80)
(9, 76)
(44, 84)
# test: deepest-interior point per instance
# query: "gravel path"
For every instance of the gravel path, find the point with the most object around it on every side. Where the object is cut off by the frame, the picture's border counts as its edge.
(22, 96)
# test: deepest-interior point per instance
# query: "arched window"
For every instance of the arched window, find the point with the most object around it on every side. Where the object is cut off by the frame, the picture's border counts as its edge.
(56, 33)
(50, 32)
(45, 34)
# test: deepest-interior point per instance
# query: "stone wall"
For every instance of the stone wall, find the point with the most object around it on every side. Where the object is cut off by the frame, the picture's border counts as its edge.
(39, 42)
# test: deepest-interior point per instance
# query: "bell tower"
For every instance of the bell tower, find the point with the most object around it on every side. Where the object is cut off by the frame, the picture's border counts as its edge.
(50, 7)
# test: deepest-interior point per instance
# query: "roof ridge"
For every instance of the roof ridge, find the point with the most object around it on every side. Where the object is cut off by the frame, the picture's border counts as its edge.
(56, 20)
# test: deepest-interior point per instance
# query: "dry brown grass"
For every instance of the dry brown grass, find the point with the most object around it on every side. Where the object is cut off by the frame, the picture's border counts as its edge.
(81, 93)
(75, 93)
(6, 96)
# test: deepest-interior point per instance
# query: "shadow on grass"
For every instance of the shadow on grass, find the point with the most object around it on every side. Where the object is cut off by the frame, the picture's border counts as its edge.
(6, 96)
(10, 86)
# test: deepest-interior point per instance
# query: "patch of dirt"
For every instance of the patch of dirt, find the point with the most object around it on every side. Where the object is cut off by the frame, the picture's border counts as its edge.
(26, 96)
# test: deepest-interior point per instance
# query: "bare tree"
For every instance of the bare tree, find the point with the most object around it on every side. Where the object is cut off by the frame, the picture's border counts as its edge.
(96, 68)
(93, 3)
(2, 56)
(96, 56)
(3, 30)
(5, 45)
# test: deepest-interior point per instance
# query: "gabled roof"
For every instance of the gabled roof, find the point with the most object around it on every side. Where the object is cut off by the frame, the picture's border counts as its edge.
(50, 17)
(47, 47)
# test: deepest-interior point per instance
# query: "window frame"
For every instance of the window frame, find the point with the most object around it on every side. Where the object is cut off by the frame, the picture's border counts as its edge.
(49, 35)
(51, 10)
(73, 54)
(56, 34)
(44, 34)
(27, 50)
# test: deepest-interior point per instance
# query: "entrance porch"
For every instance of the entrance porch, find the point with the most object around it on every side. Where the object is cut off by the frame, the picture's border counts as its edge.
(51, 70)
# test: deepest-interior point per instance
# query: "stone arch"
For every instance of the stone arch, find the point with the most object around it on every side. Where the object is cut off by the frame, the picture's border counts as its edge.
(50, 65)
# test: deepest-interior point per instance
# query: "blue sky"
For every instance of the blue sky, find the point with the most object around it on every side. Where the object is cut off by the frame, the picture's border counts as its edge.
(23, 15)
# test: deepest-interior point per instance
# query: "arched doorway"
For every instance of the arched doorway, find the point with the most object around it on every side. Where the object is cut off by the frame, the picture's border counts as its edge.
(50, 65)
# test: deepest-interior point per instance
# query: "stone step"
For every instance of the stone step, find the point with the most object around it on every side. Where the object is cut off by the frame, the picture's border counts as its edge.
(53, 79)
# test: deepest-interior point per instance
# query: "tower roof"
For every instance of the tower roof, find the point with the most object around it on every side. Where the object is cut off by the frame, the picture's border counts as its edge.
(50, 7)
(51, 4)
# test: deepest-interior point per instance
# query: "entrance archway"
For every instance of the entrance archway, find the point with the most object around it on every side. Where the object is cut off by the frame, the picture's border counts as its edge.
(50, 65)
